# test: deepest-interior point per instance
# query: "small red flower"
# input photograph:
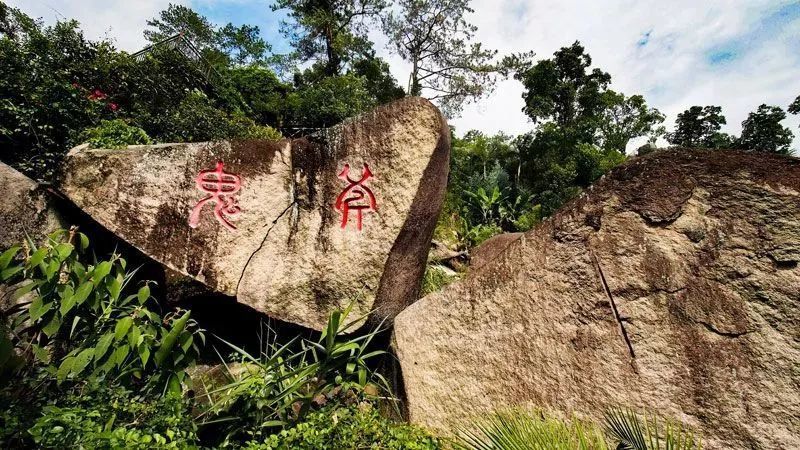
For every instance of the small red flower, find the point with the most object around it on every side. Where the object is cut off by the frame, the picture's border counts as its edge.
(113, 106)
(97, 94)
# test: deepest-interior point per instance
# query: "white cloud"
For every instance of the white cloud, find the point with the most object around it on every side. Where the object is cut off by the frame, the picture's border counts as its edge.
(121, 21)
(671, 70)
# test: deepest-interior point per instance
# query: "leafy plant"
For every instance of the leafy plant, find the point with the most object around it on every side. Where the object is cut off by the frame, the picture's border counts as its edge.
(436, 277)
(100, 416)
(281, 385)
(523, 430)
(82, 322)
(358, 426)
(633, 432)
(114, 134)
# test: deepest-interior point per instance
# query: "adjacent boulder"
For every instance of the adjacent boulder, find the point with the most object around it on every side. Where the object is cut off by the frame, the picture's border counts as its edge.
(292, 228)
(672, 285)
(25, 210)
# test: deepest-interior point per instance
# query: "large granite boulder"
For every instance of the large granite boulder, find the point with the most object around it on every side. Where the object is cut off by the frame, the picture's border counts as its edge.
(26, 209)
(291, 228)
(672, 285)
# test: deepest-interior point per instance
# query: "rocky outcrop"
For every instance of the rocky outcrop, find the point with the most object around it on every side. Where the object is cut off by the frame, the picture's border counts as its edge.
(672, 285)
(292, 228)
(25, 210)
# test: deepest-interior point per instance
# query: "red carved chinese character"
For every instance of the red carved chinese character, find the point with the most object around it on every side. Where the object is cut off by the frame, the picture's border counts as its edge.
(221, 186)
(355, 196)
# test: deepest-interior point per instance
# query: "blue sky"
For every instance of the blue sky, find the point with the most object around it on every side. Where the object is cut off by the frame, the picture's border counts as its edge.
(733, 53)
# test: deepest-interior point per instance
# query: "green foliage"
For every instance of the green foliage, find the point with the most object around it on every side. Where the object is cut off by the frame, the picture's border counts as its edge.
(561, 90)
(282, 385)
(624, 118)
(100, 416)
(53, 84)
(220, 46)
(794, 108)
(522, 430)
(633, 432)
(331, 31)
(762, 131)
(331, 100)
(435, 278)
(85, 322)
(698, 127)
(624, 430)
(354, 427)
(114, 134)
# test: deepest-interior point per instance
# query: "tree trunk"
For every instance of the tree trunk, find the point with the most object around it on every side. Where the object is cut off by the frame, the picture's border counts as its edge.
(332, 66)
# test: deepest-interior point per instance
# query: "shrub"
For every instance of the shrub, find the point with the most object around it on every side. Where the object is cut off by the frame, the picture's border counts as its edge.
(100, 416)
(624, 430)
(282, 385)
(634, 432)
(80, 324)
(518, 429)
(354, 427)
(114, 134)
(262, 132)
(528, 218)
(435, 278)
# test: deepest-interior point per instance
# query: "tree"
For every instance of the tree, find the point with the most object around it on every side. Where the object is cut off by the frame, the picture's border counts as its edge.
(699, 127)
(330, 31)
(220, 46)
(624, 118)
(762, 131)
(563, 90)
(794, 108)
(435, 38)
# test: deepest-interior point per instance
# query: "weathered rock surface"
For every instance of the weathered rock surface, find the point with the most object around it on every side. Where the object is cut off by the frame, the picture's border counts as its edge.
(672, 285)
(289, 255)
(25, 209)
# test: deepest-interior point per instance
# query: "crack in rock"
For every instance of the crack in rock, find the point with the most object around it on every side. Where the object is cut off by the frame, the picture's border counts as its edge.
(260, 246)
(615, 311)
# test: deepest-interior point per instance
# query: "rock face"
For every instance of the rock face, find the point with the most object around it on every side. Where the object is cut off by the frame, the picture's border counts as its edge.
(672, 285)
(272, 232)
(25, 209)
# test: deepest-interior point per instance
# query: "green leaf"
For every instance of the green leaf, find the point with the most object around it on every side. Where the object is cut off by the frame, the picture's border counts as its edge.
(52, 327)
(37, 257)
(74, 324)
(10, 272)
(102, 346)
(84, 241)
(51, 269)
(170, 339)
(143, 294)
(66, 305)
(100, 272)
(7, 256)
(144, 354)
(134, 337)
(41, 354)
(83, 292)
(121, 329)
(64, 250)
(121, 353)
(174, 385)
(114, 286)
(82, 360)
(38, 308)
(65, 368)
